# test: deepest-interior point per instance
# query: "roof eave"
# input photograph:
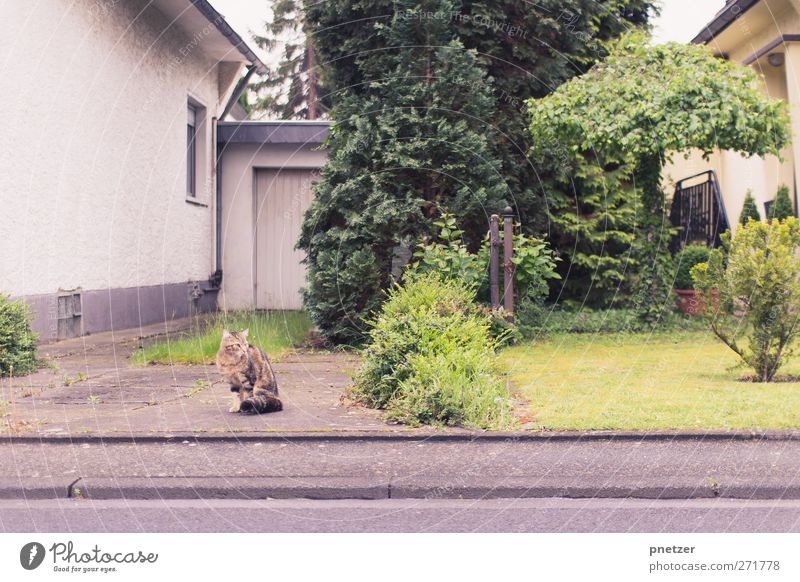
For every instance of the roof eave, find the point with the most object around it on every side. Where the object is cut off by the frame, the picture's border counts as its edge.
(273, 132)
(231, 35)
(723, 20)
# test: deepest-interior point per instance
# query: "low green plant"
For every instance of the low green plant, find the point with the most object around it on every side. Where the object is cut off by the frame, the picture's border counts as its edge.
(687, 258)
(17, 340)
(70, 380)
(533, 260)
(749, 209)
(432, 359)
(757, 278)
(274, 332)
(781, 208)
(449, 256)
(550, 320)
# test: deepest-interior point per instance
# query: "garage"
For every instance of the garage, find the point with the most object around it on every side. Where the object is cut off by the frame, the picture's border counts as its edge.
(267, 169)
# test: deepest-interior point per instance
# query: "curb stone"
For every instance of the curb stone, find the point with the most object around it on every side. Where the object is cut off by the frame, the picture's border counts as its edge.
(406, 435)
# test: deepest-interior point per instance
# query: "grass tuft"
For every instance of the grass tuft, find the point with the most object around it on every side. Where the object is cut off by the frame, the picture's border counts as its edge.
(274, 332)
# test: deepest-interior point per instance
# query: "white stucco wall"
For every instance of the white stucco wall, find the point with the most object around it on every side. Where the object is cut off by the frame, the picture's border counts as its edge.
(239, 163)
(93, 160)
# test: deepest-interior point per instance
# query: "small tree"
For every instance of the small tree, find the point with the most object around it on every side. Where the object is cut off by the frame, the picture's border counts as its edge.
(759, 276)
(781, 208)
(17, 341)
(749, 209)
(616, 126)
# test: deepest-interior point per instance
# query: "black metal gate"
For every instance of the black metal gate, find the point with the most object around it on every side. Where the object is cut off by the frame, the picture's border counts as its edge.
(698, 212)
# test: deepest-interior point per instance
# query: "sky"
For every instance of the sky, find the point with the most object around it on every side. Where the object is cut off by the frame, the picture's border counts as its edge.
(680, 20)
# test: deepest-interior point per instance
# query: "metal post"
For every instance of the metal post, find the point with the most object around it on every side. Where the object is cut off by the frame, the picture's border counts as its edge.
(494, 260)
(508, 266)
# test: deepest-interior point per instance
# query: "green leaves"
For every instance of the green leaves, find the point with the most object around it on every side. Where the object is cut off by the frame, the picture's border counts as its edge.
(612, 129)
(17, 341)
(411, 137)
(624, 103)
(757, 279)
(431, 359)
(533, 260)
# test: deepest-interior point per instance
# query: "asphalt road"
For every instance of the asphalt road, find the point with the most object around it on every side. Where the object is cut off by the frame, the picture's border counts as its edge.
(402, 515)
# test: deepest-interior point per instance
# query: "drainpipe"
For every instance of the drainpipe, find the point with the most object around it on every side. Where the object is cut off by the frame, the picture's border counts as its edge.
(215, 280)
(218, 208)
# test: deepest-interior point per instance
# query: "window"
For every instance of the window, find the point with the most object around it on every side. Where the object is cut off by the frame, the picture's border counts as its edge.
(191, 153)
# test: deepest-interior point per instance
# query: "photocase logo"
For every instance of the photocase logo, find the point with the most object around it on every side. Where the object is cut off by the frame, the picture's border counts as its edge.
(31, 555)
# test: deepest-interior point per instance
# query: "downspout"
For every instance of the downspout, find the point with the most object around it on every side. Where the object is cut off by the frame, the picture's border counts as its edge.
(218, 209)
(215, 281)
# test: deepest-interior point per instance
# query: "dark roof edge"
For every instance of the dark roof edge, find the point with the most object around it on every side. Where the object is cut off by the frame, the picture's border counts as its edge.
(233, 37)
(723, 20)
(272, 132)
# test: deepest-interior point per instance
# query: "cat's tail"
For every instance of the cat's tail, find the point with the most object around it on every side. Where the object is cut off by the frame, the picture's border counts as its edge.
(262, 403)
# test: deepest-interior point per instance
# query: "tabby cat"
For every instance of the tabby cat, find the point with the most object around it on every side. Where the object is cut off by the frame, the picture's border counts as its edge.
(249, 373)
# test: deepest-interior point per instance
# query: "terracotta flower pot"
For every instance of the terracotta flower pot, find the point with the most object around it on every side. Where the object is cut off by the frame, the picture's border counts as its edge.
(691, 302)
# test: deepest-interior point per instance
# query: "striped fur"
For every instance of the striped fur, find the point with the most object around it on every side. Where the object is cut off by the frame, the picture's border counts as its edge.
(249, 373)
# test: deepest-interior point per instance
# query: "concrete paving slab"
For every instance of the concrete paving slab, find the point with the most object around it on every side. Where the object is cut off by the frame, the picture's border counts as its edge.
(91, 388)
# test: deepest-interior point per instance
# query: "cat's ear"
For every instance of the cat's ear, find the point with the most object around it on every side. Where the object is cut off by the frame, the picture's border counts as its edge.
(245, 332)
(225, 334)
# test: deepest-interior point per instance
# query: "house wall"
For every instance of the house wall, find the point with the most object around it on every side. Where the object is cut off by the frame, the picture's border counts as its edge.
(240, 163)
(93, 167)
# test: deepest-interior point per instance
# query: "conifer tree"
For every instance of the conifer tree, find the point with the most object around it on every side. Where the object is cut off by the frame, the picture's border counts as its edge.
(294, 90)
(749, 209)
(411, 139)
(781, 208)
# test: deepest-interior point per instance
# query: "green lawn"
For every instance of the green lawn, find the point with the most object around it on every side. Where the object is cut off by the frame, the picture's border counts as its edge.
(274, 332)
(646, 382)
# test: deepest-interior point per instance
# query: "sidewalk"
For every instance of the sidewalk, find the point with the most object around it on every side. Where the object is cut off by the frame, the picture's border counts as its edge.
(117, 432)
(92, 390)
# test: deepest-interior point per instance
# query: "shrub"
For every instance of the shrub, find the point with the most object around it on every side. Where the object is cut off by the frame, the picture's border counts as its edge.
(450, 257)
(759, 281)
(749, 209)
(534, 262)
(17, 341)
(431, 358)
(781, 208)
(687, 258)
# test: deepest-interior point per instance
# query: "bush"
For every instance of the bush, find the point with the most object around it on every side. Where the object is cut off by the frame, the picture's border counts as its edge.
(431, 358)
(749, 209)
(781, 208)
(534, 262)
(17, 341)
(687, 258)
(758, 281)
(450, 257)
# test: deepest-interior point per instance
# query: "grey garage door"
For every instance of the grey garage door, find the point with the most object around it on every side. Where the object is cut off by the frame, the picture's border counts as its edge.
(281, 198)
